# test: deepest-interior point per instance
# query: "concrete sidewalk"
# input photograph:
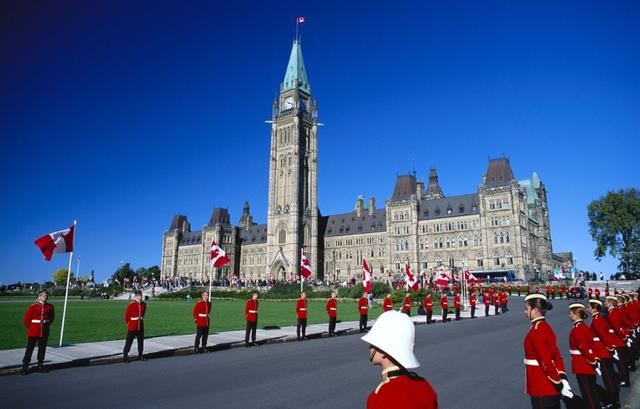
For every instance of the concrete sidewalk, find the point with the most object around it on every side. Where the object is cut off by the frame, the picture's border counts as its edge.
(96, 353)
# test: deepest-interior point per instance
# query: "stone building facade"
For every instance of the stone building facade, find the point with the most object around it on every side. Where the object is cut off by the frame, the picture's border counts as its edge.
(500, 229)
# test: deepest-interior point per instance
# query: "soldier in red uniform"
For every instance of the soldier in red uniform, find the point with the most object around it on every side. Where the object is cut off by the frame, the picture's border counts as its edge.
(601, 326)
(428, 307)
(553, 292)
(391, 343)
(561, 291)
(444, 305)
(332, 312)
(472, 303)
(406, 304)
(528, 288)
(583, 360)
(544, 368)
(363, 309)
(387, 304)
(597, 292)
(133, 317)
(518, 289)
(301, 312)
(616, 320)
(457, 305)
(590, 292)
(251, 315)
(37, 319)
(605, 359)
(496, 303)
(487, 303)
(201, 311)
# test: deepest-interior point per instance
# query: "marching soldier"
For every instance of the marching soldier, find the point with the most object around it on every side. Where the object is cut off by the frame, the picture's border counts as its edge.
(406, 304)
(391, 342)
(363, 309)
(545, 374)
(583, 360)
(387, 304)
(496, 303)
(251, 315)
(301, 311)
(332, 311)
(472, 303)
(487, 303)
(456, 305)
(428, 307)
(444, 305)
(201, 311)
(37, 319)
(133, 317)
(605, 359)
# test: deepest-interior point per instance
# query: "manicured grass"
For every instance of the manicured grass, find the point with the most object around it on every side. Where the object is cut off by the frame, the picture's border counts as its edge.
(102, 320)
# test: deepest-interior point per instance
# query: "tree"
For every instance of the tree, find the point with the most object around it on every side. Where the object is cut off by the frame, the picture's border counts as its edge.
(60, 277)
(125, 271)
(614, 224)
(154, 272)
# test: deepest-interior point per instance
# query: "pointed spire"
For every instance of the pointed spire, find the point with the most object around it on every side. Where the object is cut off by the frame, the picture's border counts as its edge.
(433, 190)
(296, 75)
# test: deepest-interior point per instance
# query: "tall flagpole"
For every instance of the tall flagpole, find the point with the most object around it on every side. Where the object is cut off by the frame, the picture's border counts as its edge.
(301, 250)
(210, 277)
(66, 293)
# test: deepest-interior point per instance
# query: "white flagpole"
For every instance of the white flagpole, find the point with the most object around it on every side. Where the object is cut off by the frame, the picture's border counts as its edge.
(301, 250)
(66, 293)
(210, 277)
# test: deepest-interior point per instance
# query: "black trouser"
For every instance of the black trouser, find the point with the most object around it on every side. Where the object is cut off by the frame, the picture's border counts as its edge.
(457, 314)
(302, 324)
(408, 312)
(332, 325)
(363, 322)
(486, 310)
(444, 314)
(130, 336)
(504, 308)
(587, 384)
(252, 326)
(610, 380)
(429, 314)
(545, 402)
(473, 311)
(623, 364)
(42, 347)
(201, 333)
(496, 311)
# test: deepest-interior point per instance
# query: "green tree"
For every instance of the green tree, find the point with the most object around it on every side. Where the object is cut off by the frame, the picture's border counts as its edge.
(154, 272)
(614, 224)
(125, 271)
(60, 277)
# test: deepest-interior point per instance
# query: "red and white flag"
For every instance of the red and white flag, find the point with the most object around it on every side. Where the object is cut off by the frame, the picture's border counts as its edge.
(218, 256)
(470, 277)
(305, 267)
(300, 20)
(56, 242)
(442, 278)
(412, 281)
(366, 276)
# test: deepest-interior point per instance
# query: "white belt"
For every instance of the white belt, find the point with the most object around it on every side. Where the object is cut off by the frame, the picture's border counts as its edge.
(407, 305)
(38, 321)
(574, 352)
(611, 331)
(531, 362)
(596, 339)
(332, 308)
(303, 309)
(429, 305)
(363, 308)
(203, 315)
(136, 318)
(252, 311)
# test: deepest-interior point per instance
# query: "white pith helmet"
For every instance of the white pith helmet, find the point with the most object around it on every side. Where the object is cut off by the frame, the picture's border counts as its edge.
(394, 334)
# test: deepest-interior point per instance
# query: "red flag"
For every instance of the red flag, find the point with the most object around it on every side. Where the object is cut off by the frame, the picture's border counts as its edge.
(470, 277)
(56, 242)
(442, 279)
(411, 279)
(218, 256)
(300, 20)
(305, 267)
(366, 276)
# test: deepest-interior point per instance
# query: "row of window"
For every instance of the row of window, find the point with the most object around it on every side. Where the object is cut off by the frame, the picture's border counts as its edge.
(499, 221)
(499, 204)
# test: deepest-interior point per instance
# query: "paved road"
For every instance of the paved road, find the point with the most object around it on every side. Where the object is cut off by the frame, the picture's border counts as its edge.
(472, 363)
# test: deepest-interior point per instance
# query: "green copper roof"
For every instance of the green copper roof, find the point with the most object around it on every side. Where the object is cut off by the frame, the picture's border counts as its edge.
(296, 71)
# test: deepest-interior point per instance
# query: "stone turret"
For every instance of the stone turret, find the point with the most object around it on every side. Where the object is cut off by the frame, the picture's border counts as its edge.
(372, 206)
(359, 209)
(246, 220)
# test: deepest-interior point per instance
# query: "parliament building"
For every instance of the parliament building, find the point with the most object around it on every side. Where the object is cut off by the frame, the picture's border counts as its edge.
(502, 229)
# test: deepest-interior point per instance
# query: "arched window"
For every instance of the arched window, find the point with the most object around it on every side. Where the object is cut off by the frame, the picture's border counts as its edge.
(282, 236)
(495, 238)
(475, 240)
(452, 262)
(509, 258)
(496, 258)
(479, 260)
(506, 237)
(501, 237)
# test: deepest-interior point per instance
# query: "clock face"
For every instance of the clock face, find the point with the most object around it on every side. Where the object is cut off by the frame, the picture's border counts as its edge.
(288, 103)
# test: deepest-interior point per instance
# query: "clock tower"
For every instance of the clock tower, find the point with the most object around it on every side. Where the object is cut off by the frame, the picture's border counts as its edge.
(292, 216)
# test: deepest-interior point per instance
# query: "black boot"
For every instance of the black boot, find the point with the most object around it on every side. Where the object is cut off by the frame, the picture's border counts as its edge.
(25, 369)
(125, 359)
(42, 368)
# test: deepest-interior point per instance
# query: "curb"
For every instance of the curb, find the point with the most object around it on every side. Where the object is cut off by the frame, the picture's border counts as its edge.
(633, 401)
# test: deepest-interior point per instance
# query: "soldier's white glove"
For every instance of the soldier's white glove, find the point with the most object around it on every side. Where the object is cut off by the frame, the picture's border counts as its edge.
(598, 370)
(615, 355)
(566, 389)
(629, 342)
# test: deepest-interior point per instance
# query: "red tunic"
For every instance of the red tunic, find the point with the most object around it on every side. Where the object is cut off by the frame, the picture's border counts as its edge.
(581, 349)
(332, 307)
(472, 301)
(600, 326)
(251, 310)
(616, 319)
(301, 308)
(487, 299)
(134, 315)
(543, 362)
(406, 304)
(363, 306)
(387, 305)
(38, 317)
(428, 304)
(201, 312)
(402, 392)
(599, 350)
(444, 303)
(456, 302)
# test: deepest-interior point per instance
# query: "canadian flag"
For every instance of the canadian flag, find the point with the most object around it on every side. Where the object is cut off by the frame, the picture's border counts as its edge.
(366, 276)
(218, 256)
(470, 277)
(56, 242)
(305, 267)
(411, 279)
(300, 20)
(442, 279)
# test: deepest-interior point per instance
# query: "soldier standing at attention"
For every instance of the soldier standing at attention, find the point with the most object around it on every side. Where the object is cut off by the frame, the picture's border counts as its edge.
(387, 304)
(37, 319)
(201, 311)
(363, 309)
(134, 318)
(251, 315)
(456, 305)
(391, 342)
(487, 303)
(603, 349)
(406, 304)
(583, 360)
(472, 303)
(496, 303)
(444, 305)
(332, 311)
(301, 311)
(428, 307)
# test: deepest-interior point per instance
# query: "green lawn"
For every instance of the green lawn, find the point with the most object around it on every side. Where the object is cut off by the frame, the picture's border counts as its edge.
(103, 320)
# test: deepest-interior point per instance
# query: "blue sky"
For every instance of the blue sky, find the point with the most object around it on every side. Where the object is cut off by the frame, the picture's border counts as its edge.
(122, 114)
